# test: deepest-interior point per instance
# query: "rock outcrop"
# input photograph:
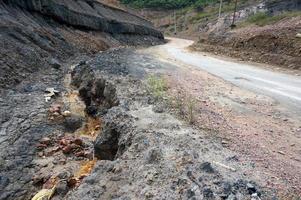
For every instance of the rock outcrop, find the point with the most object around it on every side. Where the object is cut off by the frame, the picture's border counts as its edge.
(33, 32)
(90, 14)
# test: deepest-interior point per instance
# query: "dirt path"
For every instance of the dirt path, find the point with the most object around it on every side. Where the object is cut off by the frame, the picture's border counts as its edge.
(262, 127)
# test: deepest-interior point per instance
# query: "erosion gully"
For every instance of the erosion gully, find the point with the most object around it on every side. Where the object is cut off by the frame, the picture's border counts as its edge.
(68, 157)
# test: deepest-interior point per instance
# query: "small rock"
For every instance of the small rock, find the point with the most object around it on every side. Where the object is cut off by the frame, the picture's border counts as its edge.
(62, 161)
(66, 113)
(281, 152)
(251, 188)
(40, 154)
(62, 188)
(190, 193)
(298, 35)
(82, 62)
(4, 181)
(208, 193)
(40, 178)
(51, 151)
(55, 63)
(41, 146)
(154, 155)
(148, 195)
(56, 108)
(73, 123)
(64, 175)
(63, 142)
(45, 140)
(78, 141)
(72, 182)
(67, 149)
(207, 167)
(255, 196)
(158, 108)
(80, 154)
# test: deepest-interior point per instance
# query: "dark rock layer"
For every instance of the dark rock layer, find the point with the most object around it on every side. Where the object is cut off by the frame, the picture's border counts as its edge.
(90, 14)
(34, 33)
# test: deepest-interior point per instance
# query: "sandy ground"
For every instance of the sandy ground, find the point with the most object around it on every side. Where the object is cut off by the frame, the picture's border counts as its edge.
(259, 127)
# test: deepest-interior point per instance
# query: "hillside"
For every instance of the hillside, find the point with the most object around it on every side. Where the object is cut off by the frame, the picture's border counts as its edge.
(39, 42)
(95, 104)
(256, 22)
(59, 29)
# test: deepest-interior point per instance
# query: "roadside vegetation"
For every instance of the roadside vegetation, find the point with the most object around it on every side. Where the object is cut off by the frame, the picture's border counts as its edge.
(157, 86)
(183, 103)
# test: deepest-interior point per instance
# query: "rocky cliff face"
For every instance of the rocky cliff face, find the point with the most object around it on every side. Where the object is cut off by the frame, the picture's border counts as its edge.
(89, 14)
(33, 32)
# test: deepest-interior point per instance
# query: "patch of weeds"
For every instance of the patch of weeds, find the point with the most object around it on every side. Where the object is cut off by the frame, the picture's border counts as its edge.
(191, 108)
(157, 86)
(178, 104)
(185, 105)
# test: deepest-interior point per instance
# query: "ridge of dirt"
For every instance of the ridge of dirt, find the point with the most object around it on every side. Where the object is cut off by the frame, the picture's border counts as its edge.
(275, 44)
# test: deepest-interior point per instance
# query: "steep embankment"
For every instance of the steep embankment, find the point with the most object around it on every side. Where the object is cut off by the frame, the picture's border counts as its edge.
(39, 41)
(275, 44)
(35, 32)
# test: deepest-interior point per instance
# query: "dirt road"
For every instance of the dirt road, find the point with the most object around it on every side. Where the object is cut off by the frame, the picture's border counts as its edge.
(283, 88)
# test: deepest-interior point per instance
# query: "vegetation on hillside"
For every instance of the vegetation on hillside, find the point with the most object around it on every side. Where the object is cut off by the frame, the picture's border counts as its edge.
(262, 19)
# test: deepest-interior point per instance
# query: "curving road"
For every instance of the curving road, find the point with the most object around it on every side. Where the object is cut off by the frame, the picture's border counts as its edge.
(284, 88)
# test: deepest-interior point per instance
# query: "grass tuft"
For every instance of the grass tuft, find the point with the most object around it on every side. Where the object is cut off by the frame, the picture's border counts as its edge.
(157, 85)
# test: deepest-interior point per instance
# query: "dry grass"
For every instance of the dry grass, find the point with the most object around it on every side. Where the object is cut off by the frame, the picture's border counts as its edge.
(157, 86)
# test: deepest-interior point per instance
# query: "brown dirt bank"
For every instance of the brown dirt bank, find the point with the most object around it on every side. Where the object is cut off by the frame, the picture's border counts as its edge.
(275, 44)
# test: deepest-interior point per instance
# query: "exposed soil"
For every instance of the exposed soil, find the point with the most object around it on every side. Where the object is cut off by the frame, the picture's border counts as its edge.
(145, 152)
(102, 134)
(254, 126)
(275, 44)
(143, 148)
